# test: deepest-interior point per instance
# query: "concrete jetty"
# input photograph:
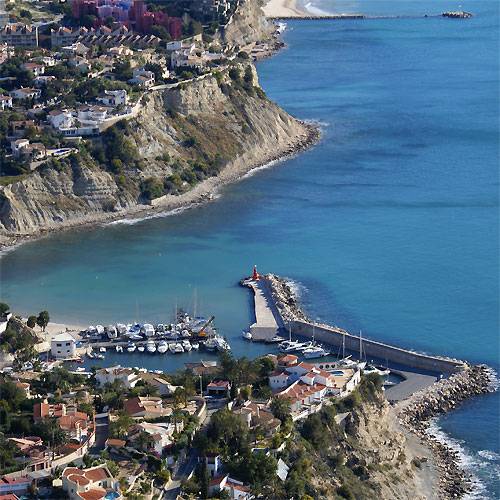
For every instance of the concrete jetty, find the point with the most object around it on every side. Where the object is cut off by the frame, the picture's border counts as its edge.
(267, 319)
(281, 301)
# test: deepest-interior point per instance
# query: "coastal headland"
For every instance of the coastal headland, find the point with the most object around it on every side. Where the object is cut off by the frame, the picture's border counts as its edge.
(455, 380)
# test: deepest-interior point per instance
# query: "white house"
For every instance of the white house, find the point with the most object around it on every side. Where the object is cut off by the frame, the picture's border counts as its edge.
(5, 102)
(161, 434)
(63, 346)
(17, 146)
(125, 375)
(235, 490)
(35, 68)
(142, 78)
(278, 379)
(60, 119)
(114, 97)
(95, 483)
(26, 93)
(94, 114)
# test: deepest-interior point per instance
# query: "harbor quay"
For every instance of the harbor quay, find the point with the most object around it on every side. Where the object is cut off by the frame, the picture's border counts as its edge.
(277, 305)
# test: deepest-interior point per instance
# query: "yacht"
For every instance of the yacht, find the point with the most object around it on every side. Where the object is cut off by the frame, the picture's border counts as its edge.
(141, 348)
(289, 346)
(186, 345)
(150, 347)
(119, 348)
(147, 330)
(315, 352)
(221, 344)
(171, 347)
(306, 346)
(160, 328)
(131, 347)
(247, 335)
(162, 347)
(185, 334)
(99, 329)
(102, 349)
(195, 345)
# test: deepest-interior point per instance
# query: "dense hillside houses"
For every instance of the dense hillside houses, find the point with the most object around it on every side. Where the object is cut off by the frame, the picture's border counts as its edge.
(19, 35)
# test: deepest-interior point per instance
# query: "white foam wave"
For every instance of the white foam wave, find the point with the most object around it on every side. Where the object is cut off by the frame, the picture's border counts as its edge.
(482, 463)
(319, 123)
(298, 289)
(253, 171)
(166, 213)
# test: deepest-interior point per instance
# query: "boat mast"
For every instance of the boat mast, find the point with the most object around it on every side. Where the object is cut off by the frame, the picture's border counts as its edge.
(343, 345)
(289, 331)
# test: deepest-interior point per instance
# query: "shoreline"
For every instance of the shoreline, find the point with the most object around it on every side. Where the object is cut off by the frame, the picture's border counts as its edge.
(202, 193)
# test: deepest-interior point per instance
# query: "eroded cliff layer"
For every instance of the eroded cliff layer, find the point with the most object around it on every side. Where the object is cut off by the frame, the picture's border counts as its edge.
(184, 142)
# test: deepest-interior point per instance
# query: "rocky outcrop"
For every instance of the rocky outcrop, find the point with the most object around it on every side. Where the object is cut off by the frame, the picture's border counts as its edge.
(224, 121)
(247, 25)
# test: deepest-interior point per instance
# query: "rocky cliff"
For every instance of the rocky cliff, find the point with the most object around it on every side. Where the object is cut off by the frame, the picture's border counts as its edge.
(184, 143)
(247, 25)
(355, 449)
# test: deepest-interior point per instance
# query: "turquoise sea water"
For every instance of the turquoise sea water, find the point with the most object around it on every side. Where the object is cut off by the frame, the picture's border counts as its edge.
(390, 224)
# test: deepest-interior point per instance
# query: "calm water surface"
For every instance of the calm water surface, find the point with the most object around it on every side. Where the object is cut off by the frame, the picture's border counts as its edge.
(390, 224)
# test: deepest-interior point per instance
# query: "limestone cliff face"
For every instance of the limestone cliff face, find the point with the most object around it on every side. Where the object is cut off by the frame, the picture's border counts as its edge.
(224, 121)
(247, 25)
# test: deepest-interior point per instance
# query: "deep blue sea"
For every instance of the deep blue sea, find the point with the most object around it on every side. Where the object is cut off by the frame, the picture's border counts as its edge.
(390, 225)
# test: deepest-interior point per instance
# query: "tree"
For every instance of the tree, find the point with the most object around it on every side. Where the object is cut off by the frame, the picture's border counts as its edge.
(280, 408)
(31, 321)
(43, 320)
(4, 308)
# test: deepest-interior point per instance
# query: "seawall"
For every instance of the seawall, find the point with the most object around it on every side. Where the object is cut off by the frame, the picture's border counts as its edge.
(292, 316)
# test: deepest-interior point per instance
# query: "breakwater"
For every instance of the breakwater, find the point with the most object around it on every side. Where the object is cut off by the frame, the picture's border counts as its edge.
(417, 412)
(298, 322)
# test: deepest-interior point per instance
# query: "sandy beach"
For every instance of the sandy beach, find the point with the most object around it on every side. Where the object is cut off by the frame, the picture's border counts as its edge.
(284, 8)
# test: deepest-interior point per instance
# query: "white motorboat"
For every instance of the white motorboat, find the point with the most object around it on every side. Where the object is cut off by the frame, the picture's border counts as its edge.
(119, 348)
(315, 352)
(91, 330)
(178, 349)
(247, 335)
(121, 328)
(305, 346)
(185, 334)
(289, 346)
(160, 328)
(162, 347)
(99, 329)
(379, 370)
(150, 347)
(195, 345)
(210, 344)
(147, 330)
(275, 340)
(131, 347)
(221, 344)
(102, 349)
(186, 345)
(141, 348)
(171, 348)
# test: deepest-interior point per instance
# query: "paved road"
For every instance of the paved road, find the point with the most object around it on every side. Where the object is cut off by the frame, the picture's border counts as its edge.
(413, 382)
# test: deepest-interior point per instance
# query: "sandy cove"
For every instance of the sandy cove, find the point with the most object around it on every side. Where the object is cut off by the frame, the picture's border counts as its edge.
(201, 193)
(285, 9)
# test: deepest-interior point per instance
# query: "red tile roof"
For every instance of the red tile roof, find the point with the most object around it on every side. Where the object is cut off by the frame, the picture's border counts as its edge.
(93, 494)
(219, 384)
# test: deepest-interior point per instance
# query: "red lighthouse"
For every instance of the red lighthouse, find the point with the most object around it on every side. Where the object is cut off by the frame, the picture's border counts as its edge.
(255, 274)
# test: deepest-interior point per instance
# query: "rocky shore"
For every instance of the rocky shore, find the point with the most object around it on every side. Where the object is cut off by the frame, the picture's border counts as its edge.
(417, 412)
